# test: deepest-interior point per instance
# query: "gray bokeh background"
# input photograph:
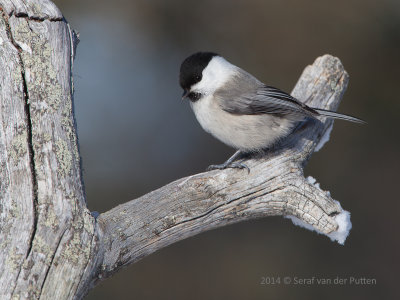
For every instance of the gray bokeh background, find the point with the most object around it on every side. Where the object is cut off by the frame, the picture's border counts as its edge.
(136, 135)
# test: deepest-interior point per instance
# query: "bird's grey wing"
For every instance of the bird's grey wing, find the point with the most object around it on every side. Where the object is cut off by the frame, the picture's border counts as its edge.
(262, 99)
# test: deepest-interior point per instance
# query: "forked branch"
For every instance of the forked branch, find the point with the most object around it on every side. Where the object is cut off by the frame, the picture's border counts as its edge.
(275, 187)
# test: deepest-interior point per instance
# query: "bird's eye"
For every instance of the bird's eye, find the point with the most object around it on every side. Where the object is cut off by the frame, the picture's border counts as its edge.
(194, 96)
(198, 78)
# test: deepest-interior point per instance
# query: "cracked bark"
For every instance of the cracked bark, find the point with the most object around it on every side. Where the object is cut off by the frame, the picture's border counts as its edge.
(51, 247)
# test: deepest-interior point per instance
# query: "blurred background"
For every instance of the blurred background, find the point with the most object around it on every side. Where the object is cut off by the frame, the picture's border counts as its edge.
(137, 135)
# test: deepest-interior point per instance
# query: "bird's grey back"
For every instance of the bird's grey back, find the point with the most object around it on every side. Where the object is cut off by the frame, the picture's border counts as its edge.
(241, 85)
(243, 94)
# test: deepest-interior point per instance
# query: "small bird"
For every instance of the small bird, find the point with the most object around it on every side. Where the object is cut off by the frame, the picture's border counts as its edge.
(238, 109)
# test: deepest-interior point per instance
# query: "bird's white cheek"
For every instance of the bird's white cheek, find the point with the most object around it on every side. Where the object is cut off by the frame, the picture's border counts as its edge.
(215, 75)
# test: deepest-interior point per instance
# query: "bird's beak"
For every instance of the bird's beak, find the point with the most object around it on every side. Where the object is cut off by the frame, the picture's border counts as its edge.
(185, 94)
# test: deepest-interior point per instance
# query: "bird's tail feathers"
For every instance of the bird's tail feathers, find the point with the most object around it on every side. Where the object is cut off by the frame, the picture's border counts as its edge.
(335, 115)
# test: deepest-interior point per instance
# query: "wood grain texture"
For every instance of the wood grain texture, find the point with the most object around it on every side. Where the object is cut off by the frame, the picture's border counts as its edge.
(32, 9)
(16, 178)
(51, 246)
(51, 242)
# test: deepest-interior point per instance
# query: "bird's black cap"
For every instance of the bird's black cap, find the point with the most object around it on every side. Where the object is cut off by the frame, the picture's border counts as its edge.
(192, 68)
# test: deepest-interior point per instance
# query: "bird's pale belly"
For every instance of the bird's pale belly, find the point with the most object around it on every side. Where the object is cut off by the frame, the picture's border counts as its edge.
(243, 132)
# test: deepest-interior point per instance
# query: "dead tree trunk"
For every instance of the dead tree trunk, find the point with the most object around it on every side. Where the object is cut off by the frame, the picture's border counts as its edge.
(50, 245)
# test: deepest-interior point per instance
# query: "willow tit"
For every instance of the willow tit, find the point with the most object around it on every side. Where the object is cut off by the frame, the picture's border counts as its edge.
(238, 109)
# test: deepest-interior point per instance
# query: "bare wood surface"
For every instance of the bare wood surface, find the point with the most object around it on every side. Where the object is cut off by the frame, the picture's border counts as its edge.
(51, 247)
(46, 229)
(32, 9)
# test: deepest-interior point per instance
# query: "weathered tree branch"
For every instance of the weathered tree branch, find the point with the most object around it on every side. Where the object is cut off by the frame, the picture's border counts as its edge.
(51, 247)
(275, 187)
